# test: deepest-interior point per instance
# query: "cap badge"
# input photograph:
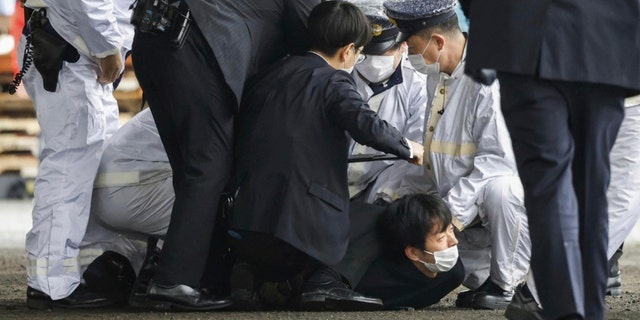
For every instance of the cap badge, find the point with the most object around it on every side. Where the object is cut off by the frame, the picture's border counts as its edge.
(376, 29)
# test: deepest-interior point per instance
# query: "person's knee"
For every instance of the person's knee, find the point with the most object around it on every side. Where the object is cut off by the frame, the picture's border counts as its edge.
(500, 188)
(503, 195)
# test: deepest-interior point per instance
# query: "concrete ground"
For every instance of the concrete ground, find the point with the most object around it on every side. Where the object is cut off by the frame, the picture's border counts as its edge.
(15, 220)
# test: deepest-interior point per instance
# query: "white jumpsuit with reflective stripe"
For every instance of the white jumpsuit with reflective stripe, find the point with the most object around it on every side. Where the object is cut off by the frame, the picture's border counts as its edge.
(403, 106)
(623, 194)
(470, 162)
(133, 191)
(75, 120)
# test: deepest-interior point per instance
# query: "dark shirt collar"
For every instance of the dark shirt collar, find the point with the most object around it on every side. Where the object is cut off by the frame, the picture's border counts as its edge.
(395, 79)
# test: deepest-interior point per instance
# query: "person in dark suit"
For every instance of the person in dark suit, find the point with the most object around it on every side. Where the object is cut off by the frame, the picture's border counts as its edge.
(194, 91)
(564, 67)
(291, 208)
(406, 253)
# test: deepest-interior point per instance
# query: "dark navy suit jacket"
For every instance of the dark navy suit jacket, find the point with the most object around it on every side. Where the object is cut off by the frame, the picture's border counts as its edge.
(247, 35)
(291, 154)
(570, 40)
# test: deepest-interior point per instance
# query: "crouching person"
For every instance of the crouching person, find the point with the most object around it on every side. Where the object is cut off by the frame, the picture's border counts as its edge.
(290, 217)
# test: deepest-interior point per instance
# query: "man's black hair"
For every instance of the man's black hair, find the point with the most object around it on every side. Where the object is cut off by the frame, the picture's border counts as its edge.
(448, 27)
(335, 24)
(408, 221)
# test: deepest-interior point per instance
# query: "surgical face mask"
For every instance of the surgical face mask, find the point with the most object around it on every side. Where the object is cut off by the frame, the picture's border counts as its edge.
(445, 259)
(376, 68)
(417, 61)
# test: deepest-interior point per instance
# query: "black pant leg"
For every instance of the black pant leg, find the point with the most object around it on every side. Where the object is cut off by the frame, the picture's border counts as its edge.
(272, 259)
(562, 133)
(596, 114)
(537, 116)
(363, 246)
(193, 108)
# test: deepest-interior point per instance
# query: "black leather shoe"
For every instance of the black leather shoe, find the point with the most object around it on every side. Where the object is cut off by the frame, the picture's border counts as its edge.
(110, 274)
(80, 298)
(138, 295)
(324, 290)
(465, 298)
(182, 297)
(523, 306)
(492, 297)
(614, 282)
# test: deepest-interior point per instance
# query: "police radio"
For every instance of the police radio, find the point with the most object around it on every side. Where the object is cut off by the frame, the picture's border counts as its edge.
(150, 15)
(158, 16)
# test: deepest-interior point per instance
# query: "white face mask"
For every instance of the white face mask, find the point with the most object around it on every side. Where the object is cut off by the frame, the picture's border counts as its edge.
(445, 259)
(376, 68)
(417, 61)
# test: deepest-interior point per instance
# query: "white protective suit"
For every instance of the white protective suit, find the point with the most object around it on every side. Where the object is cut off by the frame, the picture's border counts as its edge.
(403, 106)
(75, 120)
(623, 194)
(469, 161)
(133, 191)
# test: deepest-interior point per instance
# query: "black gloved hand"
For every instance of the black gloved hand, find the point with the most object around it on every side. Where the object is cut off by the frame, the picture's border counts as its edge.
(482, 76)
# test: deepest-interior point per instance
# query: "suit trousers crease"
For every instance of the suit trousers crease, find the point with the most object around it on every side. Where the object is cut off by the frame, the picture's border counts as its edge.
(562, 133)
(193, 109)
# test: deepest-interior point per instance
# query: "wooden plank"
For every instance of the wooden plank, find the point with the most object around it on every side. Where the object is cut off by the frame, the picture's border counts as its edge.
(14, 104)
(127, 101)
(26, 125)
(26, 165)
(13, 142)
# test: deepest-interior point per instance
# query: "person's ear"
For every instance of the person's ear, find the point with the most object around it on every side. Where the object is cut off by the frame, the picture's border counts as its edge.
(403, 47)
(411, 253)
(345, 51)
(439, 40)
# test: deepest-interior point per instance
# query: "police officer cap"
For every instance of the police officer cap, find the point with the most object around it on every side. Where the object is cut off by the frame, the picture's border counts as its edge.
(412, 16)
(385, 34)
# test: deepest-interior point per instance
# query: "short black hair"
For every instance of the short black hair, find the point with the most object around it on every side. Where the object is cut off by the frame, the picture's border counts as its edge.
(448, 27)
(408, 221)
(335, 24)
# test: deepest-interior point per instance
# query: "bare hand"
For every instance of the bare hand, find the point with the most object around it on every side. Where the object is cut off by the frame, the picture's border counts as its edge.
(110, 68)
(418, 153)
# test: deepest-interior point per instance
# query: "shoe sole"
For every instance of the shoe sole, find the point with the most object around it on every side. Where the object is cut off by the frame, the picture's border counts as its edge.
(615, 292)
(479, 304)
(323, 303)
(163, 305)
(49, 304)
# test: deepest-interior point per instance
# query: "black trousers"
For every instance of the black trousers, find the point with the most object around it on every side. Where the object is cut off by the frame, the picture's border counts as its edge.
(272, 259)
(193, 109)
(562, 133)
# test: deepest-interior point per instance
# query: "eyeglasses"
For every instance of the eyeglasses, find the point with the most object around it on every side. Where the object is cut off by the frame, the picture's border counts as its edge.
(361, 58)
